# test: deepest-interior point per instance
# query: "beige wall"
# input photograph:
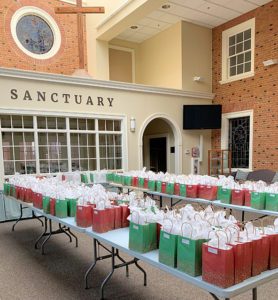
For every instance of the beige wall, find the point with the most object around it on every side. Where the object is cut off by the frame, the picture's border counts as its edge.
(196, 57)
(128, 103)
(120, 65)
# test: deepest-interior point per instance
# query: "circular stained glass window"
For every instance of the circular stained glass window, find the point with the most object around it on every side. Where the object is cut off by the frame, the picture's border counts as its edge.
(34, 34)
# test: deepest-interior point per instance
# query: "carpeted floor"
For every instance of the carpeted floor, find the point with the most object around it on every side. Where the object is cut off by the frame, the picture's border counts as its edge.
(25, 274)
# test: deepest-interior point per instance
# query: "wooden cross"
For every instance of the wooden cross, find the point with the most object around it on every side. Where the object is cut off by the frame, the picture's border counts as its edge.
(79, 10)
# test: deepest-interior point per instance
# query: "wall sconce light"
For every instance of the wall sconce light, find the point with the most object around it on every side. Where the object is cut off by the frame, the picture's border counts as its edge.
(132, 124)
(197, 78)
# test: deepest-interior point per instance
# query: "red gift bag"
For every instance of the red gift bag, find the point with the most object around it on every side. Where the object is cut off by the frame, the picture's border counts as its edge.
(28, 196)
(83, 216)
(37, 200)
(247, 197)
(52, 206)
(218, 266)
(163, 187)
(258, 261)
(238, 197)
(192, 191)
(125, 214)
(22, 193)
(135, 181)
(18, 192)
(265, 252)
(111, 211)
(146, 182)
(208, 192)
(102, 220)
(177, 189)
(273, 255)
(117, 217)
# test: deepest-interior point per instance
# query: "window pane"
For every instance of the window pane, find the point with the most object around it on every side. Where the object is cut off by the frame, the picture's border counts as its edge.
(41, 122)
(240, 58)
(118, 139)
(52, 138)
(83, 152)
(232, 50)
(232, 40)
(118, 164)
(109, 125)
(19, 153)
(110, 152)
(91, 139)
(8, 168)
(92, 164)
(54, 166)
(31, 167)
(102, 152)
(6, 121)
(91, 124)
(63, 165)
(53, 152)
(232, 71)
(17, 121)
(82, 124)
(247, 34)
(43, 153)
(42, 138)
(84, 165)
(239, 37)
(117, 125)
(30, 151)
(102, 139)
(51, 123)
(233, 61)
(74, 152)
(61, 123)
(28, 121)
(111, 164)
(247, 67)
(73, 124)
(118, 151)
(82, 139)
(63, 153)
(8, 153)
(103, 164)
(240, 69)
(239, 48)
(44, 168)
(247, 56)
(20, 167)
(18, 138)
(7, 138)
(75, 165)
(29, 137)
(74, 139)
(247, 45)
(92, 152)
(101, 124)
(62, 139)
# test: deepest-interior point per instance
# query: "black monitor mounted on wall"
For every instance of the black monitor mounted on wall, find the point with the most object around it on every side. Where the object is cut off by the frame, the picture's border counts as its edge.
(202, 116)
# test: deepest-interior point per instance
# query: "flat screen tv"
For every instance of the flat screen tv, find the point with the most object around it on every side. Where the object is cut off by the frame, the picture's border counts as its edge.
(202, 116)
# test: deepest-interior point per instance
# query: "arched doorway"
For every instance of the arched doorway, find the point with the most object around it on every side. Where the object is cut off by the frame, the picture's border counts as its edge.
(160, 145)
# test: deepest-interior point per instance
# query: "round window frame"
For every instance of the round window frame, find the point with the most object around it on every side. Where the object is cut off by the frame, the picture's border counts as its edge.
(31, 10)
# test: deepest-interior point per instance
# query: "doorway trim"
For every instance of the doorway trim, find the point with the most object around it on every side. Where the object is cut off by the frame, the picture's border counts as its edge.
(177, 136)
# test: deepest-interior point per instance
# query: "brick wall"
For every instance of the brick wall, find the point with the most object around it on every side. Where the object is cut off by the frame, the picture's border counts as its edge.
(259, 92)
(65, 61)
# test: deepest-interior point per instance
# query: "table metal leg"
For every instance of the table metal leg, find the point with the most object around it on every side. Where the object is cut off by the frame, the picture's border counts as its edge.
(48, 236)
(65, 232)
(42, 235)
(75, 237)
(20, 217)
(254, 294)
(37, 218)
(92, 265)
(242, 216)
(160, 201)
(123, 261)
(141, 269)
(109, 275)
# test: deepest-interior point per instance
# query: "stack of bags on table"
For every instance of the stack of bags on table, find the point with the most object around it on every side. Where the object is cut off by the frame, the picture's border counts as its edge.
(204, 243)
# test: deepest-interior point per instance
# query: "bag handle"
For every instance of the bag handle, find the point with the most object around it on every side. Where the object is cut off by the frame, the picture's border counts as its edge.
(191, 227)
(229, 229)
(167, 219)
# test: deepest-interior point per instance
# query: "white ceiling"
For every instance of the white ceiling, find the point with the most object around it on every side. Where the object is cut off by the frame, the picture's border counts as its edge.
(208, 13)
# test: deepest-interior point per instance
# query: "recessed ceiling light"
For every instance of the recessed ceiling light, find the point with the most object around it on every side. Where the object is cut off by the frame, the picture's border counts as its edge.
(134, 27)
(166, 6)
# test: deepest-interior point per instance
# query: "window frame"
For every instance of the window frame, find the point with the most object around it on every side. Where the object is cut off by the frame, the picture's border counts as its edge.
(226, 78)
(122, 132)
(225, 134)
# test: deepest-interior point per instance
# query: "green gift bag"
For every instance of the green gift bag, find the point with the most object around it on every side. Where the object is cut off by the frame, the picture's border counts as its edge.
(92, 177)
(183, 190)
(141, 182)
(271, 201)
(170, 188)
(7, 188)
(168, 249)
(128, 180)
(189, 256)
(158, 186)
(12, 191)
(258, 200)
(84, 178)
(46, 204)
(72, 203)
(151, 185)
(118, 178)
(110, 177)
(224, 195)
(142, 238)
(61, 208)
